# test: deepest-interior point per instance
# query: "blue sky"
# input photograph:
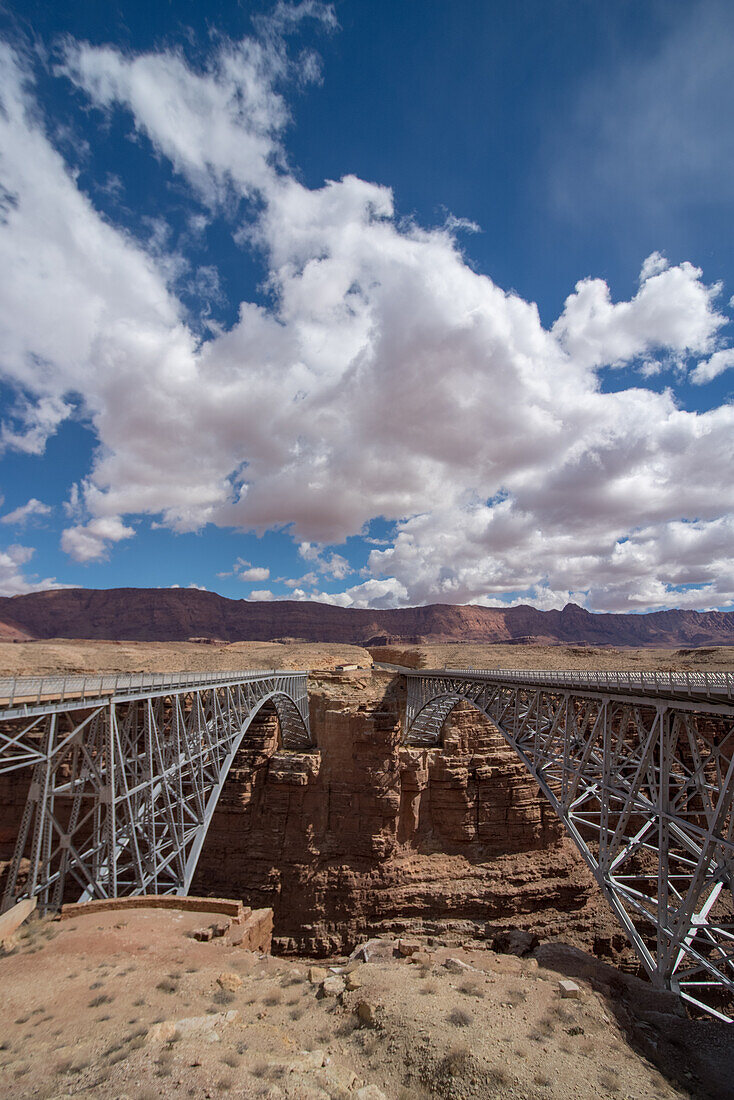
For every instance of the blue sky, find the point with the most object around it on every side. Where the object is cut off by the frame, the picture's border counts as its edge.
(380, 304)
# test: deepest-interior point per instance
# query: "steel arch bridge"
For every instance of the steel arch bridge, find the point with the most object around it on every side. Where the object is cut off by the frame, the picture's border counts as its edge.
(126, 772)
(640, 769)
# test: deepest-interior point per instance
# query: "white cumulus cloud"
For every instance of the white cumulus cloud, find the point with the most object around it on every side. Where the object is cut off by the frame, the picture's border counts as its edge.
(90, 542)
(14, 581)
(385, 378)
(332, 564)
(673, 310)
(21, 515)
(255, 573)
(713, 367)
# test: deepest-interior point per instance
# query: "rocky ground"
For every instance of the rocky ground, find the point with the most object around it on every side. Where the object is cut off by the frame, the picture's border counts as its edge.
(559, 657)
(360, 837)
(127, 1005)
(63, 655)
(70, 656)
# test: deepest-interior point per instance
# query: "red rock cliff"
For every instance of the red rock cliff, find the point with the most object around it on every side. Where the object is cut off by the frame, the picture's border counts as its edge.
(364, 836)
(165, 614)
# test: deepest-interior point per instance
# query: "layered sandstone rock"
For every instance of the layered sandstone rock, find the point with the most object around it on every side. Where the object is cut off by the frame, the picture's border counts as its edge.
(363, 836)
(14, 788)
(165, 614)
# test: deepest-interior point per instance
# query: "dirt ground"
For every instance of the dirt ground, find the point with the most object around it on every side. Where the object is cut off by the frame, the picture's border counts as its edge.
(561, 657)
(39, 658)
(126, 1005)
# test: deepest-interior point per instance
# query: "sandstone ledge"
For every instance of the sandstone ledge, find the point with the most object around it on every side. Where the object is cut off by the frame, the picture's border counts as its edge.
(227, 907)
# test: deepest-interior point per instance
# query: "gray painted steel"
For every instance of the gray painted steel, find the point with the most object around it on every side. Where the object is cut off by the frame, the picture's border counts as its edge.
(640, 769)
(126, 772)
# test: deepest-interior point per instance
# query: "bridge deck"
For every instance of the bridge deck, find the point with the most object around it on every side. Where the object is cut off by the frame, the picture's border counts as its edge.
(21, 694)
(709, 686)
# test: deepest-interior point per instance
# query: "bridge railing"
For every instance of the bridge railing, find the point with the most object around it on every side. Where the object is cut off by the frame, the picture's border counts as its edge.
(687, 682)
(26, 691)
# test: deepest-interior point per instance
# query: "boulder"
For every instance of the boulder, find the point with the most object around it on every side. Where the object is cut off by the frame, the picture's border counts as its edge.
(306, 1061)
(456, 966)
(333, 986)
(163, 1032)
(204, 1027)
(229, 981)
(373, 949)
(367, 1013)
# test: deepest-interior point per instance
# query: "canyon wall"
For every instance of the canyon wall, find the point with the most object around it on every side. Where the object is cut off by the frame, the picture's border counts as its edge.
(363, 836)
(169, 614)
(14, 788)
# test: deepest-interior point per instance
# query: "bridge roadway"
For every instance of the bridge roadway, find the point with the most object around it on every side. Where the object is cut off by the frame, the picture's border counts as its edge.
(711, 686)
(23, 695)
(124, 773)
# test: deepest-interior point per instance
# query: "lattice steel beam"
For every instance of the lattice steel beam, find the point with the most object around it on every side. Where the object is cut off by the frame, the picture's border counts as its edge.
(643, 781)
(125, 778)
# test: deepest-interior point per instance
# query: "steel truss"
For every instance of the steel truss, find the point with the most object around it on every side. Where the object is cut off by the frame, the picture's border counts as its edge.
(644, 784)
(125, 776)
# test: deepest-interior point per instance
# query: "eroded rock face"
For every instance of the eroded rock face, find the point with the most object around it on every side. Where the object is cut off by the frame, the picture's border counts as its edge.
(14, 788)
(166, 614)
(364, 836)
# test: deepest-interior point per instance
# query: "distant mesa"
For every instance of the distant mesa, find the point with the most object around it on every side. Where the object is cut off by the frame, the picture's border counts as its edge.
(11, 632)
(179, 615)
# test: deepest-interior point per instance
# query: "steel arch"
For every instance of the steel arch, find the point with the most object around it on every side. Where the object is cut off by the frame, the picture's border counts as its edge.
(644, 784)
(288, 715)
(125, 780)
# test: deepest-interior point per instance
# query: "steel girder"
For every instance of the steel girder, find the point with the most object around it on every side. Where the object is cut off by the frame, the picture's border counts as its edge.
(644, 786)
(123, 785)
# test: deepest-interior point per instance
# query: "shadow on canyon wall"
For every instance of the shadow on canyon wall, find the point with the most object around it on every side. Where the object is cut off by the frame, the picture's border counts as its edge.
(363, 835)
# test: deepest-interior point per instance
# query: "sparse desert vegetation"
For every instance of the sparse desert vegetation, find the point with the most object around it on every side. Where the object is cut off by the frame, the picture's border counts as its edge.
(127, 1004)
(376, 1029)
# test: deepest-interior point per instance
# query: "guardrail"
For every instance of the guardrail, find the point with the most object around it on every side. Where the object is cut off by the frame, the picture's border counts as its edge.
(36, 690)
(688, 682)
